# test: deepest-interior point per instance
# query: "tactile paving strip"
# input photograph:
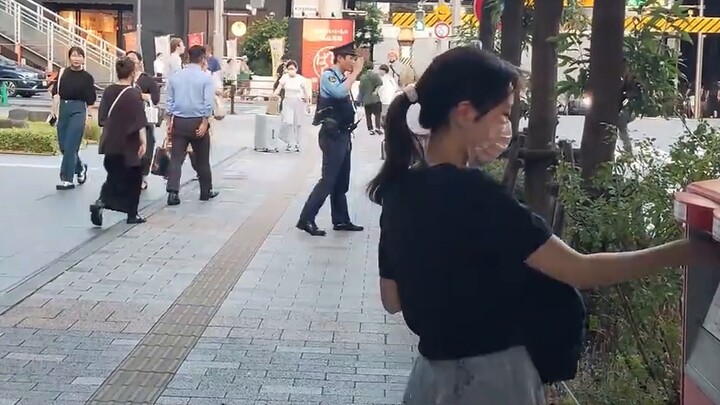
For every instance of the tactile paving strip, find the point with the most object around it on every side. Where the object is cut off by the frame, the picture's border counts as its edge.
(147, 370)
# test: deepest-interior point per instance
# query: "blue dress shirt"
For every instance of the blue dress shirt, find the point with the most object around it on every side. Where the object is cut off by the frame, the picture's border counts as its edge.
(191, 93)
(331, 84)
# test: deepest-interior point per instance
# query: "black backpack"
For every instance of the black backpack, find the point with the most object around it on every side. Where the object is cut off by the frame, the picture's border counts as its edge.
(554, 327)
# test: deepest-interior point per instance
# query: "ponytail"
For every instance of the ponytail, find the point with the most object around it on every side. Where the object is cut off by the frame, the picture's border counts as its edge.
(401, 148)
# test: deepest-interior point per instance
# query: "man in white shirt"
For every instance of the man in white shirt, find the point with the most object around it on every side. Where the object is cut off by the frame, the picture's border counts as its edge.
(177, 48)
(159, 65)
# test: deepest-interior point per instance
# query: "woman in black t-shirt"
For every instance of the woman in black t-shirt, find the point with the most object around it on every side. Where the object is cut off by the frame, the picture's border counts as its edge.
(457, 253)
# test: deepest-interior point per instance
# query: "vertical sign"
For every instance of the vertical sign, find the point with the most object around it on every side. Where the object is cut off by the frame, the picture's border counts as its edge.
(196, 38)
(318, 38)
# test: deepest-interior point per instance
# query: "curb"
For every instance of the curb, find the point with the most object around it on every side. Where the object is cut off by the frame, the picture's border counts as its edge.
(47, 273)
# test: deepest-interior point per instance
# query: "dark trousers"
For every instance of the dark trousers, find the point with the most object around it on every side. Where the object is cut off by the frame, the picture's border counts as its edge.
(373, 110)
(334, 181)
(121, 190)
(183, 134)
(150, 151)
(70, 129)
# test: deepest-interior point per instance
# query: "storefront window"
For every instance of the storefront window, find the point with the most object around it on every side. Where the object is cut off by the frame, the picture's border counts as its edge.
(203, 21)
(109, 25)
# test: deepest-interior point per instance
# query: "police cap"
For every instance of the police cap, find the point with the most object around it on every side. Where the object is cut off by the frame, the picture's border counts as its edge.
(345, 50)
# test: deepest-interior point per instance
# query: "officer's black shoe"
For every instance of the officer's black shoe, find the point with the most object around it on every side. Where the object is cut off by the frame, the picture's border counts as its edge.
(209, 195)
(173, 198)
(310, 227)
(96, 213)
(349, 227)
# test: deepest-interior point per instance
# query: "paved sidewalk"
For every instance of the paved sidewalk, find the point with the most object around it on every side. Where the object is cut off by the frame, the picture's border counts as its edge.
(223, 302)
(43, 224)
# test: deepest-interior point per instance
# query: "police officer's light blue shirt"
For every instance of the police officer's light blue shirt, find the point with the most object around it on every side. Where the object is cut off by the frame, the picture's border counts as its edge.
(331, 84)
(191, 93)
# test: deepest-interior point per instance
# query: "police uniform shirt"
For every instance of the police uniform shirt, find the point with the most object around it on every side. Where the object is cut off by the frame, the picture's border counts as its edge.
(331, 84)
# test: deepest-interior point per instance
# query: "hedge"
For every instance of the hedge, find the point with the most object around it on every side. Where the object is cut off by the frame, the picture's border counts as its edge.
(92, 132)
(38, 137)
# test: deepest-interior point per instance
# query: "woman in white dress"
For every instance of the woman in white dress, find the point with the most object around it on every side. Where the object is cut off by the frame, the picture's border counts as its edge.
(294, 105)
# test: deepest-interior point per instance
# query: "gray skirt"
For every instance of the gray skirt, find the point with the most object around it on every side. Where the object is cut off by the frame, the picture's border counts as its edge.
(503, 378)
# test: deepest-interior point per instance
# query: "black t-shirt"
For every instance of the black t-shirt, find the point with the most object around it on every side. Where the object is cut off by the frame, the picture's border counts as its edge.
(76, 85)
(455, 242)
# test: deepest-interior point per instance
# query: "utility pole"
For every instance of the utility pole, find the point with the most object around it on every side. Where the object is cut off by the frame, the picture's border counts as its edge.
(699, 66)
(218, 41)
(138, 29)
(456, 18)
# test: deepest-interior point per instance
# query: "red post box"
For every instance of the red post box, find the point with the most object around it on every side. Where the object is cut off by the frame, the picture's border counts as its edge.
(699, 210)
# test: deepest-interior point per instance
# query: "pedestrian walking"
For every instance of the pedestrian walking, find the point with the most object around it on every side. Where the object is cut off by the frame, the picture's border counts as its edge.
(151, 96)
(369, 93)
(335, 114)
(470, 267)
(175, 63)
(190, 97)
(296, 95)
(388, 90)
(73, 92)
(123, 142)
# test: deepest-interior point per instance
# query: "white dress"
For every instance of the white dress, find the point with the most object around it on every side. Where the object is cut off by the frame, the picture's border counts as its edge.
(294, 108)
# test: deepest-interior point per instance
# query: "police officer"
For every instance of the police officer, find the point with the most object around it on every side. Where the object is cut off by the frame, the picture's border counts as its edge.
(336, 116)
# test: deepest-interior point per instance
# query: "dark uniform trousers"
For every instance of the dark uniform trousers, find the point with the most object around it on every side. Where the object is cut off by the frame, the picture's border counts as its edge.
(183, 134)
(334, 181)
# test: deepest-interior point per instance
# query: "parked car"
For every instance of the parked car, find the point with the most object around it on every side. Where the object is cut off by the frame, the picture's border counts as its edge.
(21, 80)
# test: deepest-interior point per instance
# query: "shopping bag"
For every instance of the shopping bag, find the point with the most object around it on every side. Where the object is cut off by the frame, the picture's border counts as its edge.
(161, 161)
(218, 108)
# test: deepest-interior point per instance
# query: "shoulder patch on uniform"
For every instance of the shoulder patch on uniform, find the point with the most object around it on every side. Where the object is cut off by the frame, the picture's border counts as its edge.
(332, 79)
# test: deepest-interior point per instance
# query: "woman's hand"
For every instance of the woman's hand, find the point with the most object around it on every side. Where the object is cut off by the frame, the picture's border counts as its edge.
(142, 150)
(146, 97)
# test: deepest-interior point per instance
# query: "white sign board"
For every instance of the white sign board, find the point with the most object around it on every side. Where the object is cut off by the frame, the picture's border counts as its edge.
(442, 30)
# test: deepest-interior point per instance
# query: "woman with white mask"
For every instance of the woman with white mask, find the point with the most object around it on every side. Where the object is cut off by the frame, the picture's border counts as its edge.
(294, 105)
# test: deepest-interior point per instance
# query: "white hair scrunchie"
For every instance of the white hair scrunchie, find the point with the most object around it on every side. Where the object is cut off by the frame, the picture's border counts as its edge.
(413, 114)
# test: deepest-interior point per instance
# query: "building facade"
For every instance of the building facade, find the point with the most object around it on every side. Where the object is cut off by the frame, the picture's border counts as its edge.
(116, 20)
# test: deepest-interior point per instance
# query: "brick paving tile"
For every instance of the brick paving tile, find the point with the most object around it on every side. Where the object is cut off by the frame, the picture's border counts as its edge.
(159, 314)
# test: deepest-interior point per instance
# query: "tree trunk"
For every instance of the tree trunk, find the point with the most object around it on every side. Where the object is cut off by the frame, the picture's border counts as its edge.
(543, 104)
(486, 33)
(606, 69)
(511, 51)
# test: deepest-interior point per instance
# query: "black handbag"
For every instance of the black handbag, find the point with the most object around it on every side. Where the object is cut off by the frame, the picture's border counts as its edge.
(160, 161)
(555, 327)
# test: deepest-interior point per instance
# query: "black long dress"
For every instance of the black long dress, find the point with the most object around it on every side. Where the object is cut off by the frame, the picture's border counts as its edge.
(120, 143)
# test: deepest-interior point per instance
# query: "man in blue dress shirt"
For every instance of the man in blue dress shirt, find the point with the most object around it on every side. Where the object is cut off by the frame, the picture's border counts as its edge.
(336, 117)
(190, 97)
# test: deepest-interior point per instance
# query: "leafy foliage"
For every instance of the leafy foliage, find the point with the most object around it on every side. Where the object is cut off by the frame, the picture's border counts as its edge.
(36, 138)
(257, 45)
(369, 34)
(635, 352)
(654, 65)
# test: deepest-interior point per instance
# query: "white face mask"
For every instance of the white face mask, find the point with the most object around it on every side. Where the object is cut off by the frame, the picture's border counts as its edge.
(490, 148)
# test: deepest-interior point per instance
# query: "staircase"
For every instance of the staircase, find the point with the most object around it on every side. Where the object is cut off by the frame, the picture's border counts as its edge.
(49, 36)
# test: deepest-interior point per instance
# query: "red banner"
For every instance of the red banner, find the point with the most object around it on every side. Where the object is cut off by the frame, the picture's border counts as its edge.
(318, 38)
(196, 38)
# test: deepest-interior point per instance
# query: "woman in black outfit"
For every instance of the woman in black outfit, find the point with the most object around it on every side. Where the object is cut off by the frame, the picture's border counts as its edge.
(74, 90)
(151, 95)
(123, 142)
(457, 253)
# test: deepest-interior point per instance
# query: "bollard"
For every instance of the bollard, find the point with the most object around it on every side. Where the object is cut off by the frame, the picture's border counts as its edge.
(3, 95)
(233, 89)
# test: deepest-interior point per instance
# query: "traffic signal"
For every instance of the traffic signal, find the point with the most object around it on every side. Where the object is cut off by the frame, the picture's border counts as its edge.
(420, 20)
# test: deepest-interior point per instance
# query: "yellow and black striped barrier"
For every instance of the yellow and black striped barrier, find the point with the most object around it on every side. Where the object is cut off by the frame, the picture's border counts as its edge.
(407, 20)
(691, 25)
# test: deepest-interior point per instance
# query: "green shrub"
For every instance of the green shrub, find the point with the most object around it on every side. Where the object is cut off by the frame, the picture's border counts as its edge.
(36, 138)
(92, 132)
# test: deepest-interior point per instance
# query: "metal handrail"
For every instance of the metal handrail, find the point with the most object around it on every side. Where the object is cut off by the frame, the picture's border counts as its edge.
(44, 11)
(101, 53)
